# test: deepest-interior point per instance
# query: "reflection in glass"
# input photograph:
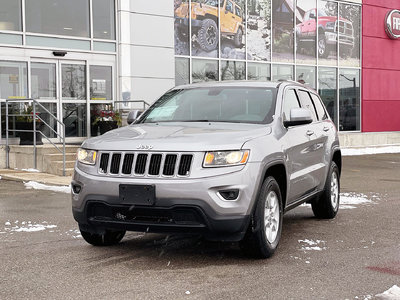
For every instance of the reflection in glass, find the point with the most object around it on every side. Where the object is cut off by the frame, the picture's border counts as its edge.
(349, 35)
(58, 17)
(233, 70)
(204, 70)
(181, 71)
(306, 31)
(282, 72)
(328, 91)
(43, 81)
(233, 32)
(104, 19)
(349, 100)
(10, 15)
(205, 31)
(100, 83)
(306, 75)
(327, 32)
(45, 116)
(73, 82)
(259, 30)
(182, 42)
(282, 30)
(258, 71)
(74, 118)
(13, 80)
(101, 119)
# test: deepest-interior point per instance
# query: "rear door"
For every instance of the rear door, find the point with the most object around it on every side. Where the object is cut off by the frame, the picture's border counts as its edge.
(316, 168)
(298, 142)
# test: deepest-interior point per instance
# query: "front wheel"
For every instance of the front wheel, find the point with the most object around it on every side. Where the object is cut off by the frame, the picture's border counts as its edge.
(108, 238)
(207, 36)
(263, 235)
(322, 47)
(327, 205)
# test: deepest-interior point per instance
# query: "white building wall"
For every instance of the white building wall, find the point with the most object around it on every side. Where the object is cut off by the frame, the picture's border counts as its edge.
(146, 48)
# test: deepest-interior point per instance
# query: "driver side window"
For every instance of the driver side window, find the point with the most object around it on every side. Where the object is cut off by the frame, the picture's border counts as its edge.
(290, 101)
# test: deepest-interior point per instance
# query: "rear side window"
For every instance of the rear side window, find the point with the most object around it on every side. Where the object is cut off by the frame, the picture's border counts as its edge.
(306, 102)
(290, 101)
(318, 106)
(229, 6)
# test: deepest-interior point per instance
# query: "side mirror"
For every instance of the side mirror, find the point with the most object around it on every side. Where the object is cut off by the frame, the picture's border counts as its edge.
(298, 116)
(313, 16)
(133, 115)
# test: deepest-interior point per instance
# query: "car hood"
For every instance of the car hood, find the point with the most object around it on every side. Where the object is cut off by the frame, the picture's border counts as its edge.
(178, 137)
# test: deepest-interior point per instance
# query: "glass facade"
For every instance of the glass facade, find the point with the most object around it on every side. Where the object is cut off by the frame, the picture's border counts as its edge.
(72, 24)
(315, 42)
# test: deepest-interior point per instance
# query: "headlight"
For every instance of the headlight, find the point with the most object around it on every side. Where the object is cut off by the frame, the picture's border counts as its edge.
(86, 156)
(226, 158)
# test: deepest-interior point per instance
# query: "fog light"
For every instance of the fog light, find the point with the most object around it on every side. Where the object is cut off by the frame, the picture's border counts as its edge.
(229, 194)
(76, 188)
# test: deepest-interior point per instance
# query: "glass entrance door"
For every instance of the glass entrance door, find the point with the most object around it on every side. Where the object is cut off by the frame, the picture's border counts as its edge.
(74, 95)
(77, 92)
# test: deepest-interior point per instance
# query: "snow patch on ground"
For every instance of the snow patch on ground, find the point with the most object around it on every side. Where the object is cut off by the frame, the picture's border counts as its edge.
(309, 245)
(30, 170)
(39, 186)
(370, 150)
(348, 200)
(27, 226)
(391, 294)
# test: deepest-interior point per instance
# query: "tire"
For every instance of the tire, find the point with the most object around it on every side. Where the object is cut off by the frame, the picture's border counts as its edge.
(262, 240)
(207, 36)
(323, 50)
(108, 238)
(326, 206)
(238, 39)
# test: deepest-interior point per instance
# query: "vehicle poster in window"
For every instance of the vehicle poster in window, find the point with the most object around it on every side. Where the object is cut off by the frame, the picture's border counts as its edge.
(306, 31)
(233, 30)
(259, 30)
(327, 32)
(205, 31)
(282, 30)
(349, 35)
(182, 42)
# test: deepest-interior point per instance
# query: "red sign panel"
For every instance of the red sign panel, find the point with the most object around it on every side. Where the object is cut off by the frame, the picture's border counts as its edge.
(392, 24)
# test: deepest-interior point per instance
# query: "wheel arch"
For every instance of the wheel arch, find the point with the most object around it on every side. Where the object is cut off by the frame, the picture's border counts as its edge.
(337, 159)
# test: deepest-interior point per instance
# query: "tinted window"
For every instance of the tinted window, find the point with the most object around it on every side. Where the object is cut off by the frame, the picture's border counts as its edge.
(229, 6)
(58, 17)
(103, 19)
(10, 15)
(318, 106)
(306, 102)
(214, 104)
(289, 102)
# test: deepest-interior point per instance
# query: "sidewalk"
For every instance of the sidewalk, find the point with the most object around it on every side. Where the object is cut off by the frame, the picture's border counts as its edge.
(18, 175)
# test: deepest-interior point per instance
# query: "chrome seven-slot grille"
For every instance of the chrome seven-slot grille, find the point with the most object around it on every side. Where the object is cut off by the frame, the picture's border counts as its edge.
(345, 28)
(145, 164)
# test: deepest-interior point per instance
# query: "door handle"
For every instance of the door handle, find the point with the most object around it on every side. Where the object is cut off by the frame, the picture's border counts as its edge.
(310, 132)
(326, 128)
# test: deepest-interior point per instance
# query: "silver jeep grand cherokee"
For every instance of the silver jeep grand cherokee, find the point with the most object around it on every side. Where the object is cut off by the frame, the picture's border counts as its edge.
(225, 160)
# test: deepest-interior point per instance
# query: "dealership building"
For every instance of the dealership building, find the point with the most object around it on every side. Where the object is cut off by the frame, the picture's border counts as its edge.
(79, 57)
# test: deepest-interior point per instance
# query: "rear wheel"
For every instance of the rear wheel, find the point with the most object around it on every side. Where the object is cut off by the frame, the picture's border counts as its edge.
(327, 205)
(108, 238)
(238, 40)
(208, 35)
(263, 235)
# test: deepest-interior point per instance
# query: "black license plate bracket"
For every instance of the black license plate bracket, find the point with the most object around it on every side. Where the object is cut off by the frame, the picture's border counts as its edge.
(137, 194)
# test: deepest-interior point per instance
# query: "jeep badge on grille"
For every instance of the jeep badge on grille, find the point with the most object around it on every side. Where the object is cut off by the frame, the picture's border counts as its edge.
(144, 147)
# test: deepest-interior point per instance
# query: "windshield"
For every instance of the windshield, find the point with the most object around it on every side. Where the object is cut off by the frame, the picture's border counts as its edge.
(214, 104)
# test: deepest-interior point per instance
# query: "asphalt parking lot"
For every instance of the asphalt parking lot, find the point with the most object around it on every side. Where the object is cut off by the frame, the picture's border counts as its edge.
(354, 256)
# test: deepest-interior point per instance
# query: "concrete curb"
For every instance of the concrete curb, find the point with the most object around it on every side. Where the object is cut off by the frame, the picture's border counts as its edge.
(44, 178)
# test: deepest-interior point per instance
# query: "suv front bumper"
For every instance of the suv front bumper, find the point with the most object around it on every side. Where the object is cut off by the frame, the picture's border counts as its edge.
(182, 205)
